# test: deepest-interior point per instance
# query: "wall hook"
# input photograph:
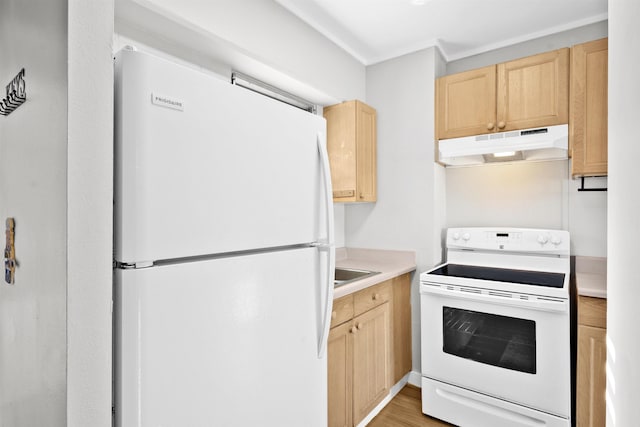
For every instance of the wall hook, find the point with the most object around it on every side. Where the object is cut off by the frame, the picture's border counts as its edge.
(16, 94)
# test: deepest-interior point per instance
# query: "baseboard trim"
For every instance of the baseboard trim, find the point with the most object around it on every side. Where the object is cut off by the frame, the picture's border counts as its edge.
(395, 389)
(415, 378)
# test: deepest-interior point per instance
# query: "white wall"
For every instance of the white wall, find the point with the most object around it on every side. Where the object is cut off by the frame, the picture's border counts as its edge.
(512, 195)
(89, 212)
(539, 195)
(258, 37)
(588, 217)
(567, 38)
(623, 345)
(33, 190)
(55, 179)
(536, 195)
(403, 218)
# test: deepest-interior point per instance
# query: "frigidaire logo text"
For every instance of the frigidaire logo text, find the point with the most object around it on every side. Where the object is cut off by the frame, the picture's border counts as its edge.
(166, 101)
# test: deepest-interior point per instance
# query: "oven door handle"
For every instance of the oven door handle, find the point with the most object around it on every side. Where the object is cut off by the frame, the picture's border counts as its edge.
(539, 303)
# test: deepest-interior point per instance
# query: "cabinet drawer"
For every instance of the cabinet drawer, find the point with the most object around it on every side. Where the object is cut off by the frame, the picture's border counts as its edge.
(369, 298)
(592, 311)
(342, 310)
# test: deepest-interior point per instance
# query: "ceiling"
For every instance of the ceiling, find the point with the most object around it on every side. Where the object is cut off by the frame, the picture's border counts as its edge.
(377, 30)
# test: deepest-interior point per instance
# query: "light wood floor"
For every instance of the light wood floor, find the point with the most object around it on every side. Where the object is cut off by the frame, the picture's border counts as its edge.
(405, 411)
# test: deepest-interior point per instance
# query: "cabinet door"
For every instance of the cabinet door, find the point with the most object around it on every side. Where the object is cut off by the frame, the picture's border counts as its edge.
(371, 353)
(366, 153)
(591, 377)
(466, 103)
(340, 376)
(341, 146)
(533, 91)
(589, 108)
(401, 317)
(351, 143)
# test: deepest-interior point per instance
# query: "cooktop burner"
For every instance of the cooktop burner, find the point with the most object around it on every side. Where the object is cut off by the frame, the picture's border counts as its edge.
(525, 277)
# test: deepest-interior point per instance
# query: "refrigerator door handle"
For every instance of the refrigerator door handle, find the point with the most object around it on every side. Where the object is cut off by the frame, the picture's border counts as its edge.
(329, 246)
(328, 188)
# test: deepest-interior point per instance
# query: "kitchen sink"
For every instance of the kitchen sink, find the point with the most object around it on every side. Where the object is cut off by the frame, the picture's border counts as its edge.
(348, 275)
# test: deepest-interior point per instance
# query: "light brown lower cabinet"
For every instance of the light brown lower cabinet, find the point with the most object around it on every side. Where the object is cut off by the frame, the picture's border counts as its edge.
(363, 343)
(340, 376)
(592, 356)
(371, 360)
(401, 320)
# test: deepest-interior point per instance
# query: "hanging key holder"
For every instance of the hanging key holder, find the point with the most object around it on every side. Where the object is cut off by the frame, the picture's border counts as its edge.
(16, 94)
(10, 252)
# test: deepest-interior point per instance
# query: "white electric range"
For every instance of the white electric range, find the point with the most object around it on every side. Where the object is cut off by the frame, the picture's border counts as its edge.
(495, 319)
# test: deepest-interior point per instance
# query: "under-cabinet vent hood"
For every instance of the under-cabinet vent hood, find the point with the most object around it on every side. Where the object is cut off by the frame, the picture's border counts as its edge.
(545, 143)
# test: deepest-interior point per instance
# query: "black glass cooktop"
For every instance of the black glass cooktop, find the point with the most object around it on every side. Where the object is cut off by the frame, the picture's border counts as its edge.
(525, 277)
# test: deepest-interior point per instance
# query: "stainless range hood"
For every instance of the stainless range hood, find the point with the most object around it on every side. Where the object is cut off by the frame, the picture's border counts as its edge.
(545, 143)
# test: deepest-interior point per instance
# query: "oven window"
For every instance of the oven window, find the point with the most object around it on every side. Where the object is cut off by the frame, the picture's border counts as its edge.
(507, 342)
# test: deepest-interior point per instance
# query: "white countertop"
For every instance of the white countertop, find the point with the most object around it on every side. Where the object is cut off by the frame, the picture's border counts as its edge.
(389, 263)
(591, 276)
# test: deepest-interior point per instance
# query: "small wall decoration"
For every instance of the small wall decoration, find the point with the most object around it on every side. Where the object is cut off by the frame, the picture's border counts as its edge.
(10, 252)
(16, 94)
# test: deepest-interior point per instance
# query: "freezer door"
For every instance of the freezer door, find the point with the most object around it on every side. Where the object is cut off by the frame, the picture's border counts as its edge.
(226, 342)
(205, 167)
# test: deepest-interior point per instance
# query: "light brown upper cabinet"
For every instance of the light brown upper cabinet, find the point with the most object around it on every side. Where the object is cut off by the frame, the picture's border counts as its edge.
(524, 93)
(351, 143)
(466, 103)
(589, 108)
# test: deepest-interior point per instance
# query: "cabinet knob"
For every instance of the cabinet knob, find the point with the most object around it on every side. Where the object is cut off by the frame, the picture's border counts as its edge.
(501, 125)
(490, 126)
(376, 297)
(353, 330)
(358, 326)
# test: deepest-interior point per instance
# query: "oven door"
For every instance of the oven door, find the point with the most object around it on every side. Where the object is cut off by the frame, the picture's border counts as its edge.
(507, 347)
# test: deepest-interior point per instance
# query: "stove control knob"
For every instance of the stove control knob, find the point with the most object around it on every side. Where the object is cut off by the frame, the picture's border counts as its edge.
(556, 240)
(542, 239)
(455, 235)
(466, 237)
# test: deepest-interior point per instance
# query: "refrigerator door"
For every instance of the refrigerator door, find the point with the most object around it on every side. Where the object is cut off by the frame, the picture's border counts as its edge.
(205, 167)
(224, 342)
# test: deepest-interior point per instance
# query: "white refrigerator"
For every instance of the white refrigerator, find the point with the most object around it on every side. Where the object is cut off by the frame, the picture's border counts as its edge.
(223, 250)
